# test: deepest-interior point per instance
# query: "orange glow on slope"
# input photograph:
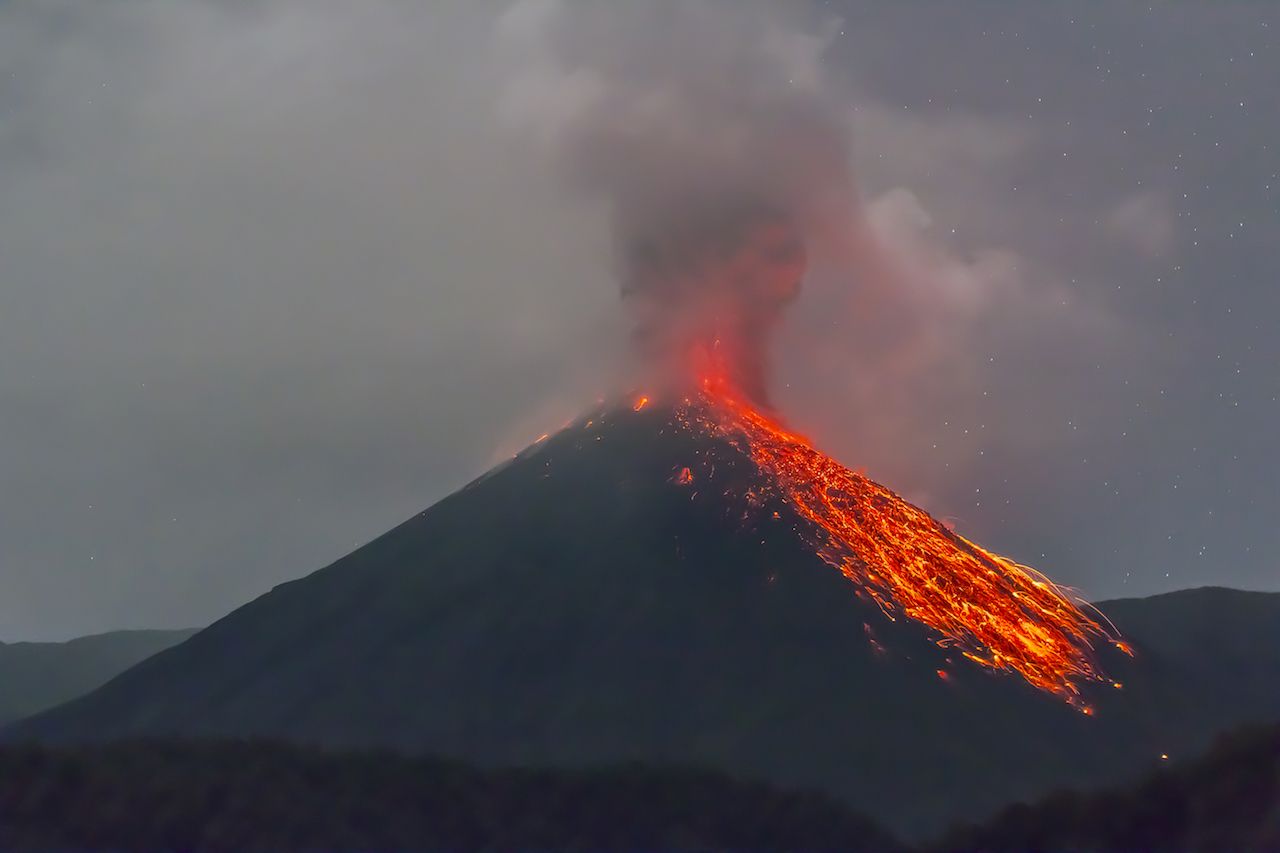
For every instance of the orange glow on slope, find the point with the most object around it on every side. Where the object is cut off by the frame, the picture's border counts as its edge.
(997, 613)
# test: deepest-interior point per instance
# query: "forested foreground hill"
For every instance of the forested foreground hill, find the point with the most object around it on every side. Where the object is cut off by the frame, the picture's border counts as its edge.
(246, 795)
(258, 795)
(1229, 800)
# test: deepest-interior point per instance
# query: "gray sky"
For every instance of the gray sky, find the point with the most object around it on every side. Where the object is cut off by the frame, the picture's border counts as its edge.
(276, 275)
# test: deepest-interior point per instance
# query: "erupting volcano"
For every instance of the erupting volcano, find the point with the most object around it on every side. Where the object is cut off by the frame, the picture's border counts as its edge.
(677, 576)
(655, 583)
(725, 167)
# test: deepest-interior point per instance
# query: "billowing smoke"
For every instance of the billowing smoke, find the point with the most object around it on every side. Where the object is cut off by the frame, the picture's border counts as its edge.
(704, 130)
(722, 157)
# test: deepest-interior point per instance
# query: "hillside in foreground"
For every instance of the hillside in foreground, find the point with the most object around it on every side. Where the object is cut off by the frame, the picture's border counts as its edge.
(1226, 800)
(259, 795)
(246, 796)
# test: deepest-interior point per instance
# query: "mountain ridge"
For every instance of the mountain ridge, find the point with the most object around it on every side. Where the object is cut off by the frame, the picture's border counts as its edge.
(35, 676)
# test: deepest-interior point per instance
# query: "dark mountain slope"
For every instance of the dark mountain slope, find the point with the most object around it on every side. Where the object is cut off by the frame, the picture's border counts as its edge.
(577, 606)
(36, 676)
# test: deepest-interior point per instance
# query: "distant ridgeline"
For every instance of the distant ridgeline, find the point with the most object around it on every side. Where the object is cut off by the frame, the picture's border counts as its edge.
(36, 676)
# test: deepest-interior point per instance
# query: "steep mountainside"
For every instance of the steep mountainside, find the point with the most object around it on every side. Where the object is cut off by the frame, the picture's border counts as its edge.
(587, 603)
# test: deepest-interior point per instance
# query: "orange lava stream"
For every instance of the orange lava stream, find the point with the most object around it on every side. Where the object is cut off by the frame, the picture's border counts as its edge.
(997, 613)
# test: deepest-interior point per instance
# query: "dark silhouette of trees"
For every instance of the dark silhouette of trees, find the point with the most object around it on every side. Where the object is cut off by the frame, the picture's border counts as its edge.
(254, 795)
(1229, 800)
(214, 795)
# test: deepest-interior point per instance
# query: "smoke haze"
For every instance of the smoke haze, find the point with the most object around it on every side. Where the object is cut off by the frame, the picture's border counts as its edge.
(706, 132)
(278, 274)
(723, 157)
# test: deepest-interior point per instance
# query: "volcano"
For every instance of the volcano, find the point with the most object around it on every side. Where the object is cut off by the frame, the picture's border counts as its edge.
(645, 586)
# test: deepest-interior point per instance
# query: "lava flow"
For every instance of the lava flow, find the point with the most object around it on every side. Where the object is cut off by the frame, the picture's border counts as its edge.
(997, 613)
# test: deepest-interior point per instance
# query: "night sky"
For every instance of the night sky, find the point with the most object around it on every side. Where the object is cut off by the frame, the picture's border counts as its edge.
(276, 275)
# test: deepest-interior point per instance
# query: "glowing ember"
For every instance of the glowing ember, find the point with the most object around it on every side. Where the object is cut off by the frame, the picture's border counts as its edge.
(996, 612)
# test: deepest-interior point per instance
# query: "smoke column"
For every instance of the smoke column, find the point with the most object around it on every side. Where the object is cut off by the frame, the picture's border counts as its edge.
(704, 129)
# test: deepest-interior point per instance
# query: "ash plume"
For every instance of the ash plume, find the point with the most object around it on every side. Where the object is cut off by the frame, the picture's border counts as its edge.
(704, 130)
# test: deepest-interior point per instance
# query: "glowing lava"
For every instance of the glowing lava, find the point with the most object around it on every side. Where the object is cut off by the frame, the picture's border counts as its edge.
(997, 613)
